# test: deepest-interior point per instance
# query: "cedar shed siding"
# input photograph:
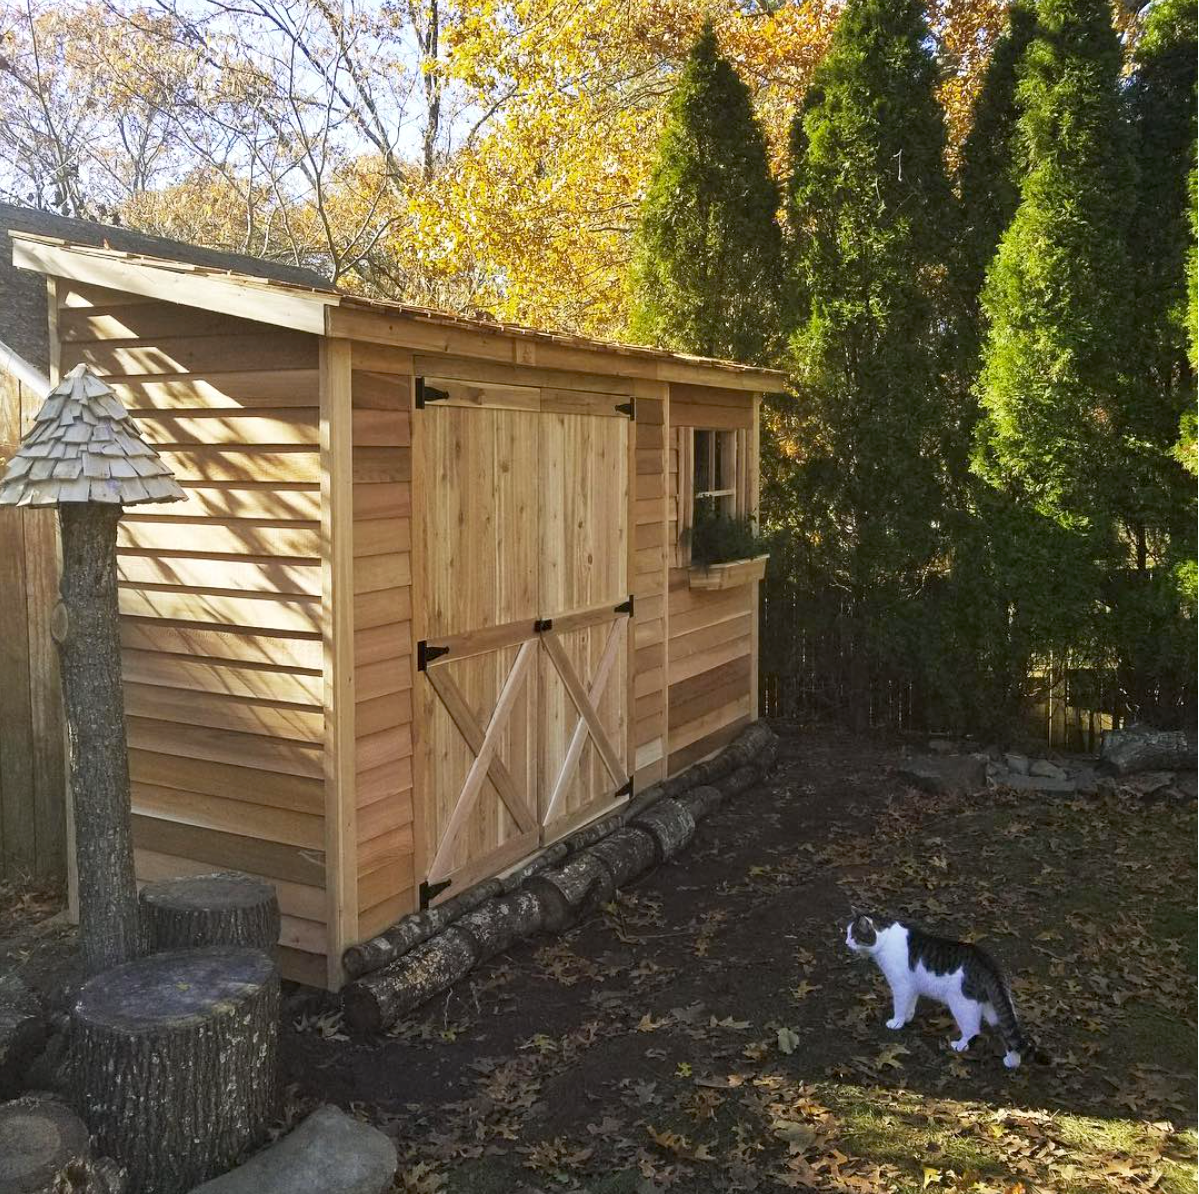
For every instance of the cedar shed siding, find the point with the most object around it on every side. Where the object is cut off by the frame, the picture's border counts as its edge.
(220, 598)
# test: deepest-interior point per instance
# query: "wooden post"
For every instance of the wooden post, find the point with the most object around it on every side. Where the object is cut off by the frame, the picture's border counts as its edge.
(85, 455)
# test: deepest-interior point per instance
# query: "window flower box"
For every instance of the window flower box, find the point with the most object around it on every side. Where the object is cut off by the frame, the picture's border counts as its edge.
(715, 577)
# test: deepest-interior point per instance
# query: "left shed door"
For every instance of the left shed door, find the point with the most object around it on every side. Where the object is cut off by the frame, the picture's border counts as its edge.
(479, 478)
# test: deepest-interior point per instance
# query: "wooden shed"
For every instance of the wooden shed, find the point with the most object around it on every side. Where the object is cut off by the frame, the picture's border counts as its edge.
(428, 605)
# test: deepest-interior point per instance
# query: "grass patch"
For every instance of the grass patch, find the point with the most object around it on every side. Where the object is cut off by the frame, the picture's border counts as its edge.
(896, 1128)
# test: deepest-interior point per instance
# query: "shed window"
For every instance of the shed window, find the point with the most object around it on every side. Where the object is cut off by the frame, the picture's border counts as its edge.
(713, 470)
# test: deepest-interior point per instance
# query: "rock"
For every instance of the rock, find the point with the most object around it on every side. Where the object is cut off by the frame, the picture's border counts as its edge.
(329, 1153)
(953, 773)
(1046, 769)
(1086, 781)
(23, 1033)
(924, 779)
(1140, 748)
(1187, 784)
(942, 746)
(1037, 783)
(1148, 782)
(1016, 763)
(996, 771)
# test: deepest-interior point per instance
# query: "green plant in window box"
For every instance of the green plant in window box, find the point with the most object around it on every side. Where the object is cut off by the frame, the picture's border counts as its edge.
(718, 538)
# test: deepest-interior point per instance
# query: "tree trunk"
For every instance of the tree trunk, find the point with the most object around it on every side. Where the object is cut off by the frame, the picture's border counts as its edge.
(86, 629)
(174, 1060)
(224, 908)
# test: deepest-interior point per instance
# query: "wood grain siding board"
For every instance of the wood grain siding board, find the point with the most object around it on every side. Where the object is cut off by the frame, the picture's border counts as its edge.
(262, 681)
(218, 390)
(229, 780)
(285, 651)
(225, 850)
(706, 746)
(276, 720)
(276, 349)
(261, 822)
(295, 899)
(381, 401)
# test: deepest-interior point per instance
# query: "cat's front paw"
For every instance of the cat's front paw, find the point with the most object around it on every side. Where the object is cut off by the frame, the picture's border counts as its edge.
(960, 1045)
(895, 1022)
(1011, 1060)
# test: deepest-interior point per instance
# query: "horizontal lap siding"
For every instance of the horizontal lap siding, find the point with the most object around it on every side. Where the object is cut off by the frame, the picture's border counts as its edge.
(220, 599)
(382, 496)
(712, 635)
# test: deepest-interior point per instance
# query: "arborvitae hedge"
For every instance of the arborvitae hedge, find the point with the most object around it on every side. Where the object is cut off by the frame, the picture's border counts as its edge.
(708, 258)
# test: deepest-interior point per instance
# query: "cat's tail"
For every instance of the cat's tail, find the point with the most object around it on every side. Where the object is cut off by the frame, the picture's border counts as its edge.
(1019, 1044)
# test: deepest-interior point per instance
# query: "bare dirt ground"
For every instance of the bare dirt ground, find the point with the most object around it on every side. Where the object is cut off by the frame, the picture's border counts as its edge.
(710, 1032)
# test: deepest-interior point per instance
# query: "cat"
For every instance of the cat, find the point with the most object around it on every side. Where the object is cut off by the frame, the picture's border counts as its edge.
(962, 976)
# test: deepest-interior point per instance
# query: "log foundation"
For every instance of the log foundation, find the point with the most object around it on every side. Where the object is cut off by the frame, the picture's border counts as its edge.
(427, 952)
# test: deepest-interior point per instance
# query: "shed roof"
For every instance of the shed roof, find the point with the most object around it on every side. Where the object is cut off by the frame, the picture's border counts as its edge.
(23, 324)
(318, 307)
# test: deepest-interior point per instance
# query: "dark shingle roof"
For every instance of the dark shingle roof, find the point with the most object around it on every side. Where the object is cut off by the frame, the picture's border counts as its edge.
(23, 324)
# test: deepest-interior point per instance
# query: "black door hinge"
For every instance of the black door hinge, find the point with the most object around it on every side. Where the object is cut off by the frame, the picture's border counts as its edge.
(426, 393)
(541, 625)
(625, 607)
(628, 408)
(426, 654)
(430, 891)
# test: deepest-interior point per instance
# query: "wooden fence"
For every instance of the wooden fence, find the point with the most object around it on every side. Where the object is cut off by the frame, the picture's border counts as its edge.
(32, 800)
(812, 669)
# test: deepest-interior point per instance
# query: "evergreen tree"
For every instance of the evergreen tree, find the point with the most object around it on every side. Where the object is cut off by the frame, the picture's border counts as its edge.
(1055, 297)
(1153, 597)
(871, 212)
(708, 256)
(990, 170)
(988, 626)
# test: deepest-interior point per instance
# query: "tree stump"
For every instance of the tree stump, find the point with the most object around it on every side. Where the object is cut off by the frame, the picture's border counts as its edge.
(174, 1060)
(224, 908)
(39, 1138)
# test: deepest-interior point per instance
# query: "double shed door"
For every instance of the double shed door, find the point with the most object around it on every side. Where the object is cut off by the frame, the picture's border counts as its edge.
(523, 621)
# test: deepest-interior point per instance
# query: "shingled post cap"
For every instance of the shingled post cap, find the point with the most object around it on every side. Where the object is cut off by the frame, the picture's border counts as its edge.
(84, 447)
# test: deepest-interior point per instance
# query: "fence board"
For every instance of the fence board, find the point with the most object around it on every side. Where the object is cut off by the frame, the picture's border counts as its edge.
(32, 810)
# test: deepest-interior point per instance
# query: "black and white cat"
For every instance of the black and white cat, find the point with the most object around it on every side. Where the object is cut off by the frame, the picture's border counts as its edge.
(962, 976)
